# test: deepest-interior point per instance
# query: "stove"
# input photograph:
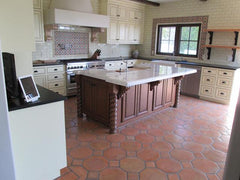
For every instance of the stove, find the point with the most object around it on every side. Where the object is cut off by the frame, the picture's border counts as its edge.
(74, 65)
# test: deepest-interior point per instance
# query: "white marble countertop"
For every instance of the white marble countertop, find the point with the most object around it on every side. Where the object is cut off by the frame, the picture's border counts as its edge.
(139, 74)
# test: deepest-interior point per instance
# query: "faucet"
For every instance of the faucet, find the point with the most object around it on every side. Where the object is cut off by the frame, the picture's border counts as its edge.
(125, 61)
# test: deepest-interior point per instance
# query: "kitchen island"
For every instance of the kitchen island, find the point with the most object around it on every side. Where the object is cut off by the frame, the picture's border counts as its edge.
(119, 97)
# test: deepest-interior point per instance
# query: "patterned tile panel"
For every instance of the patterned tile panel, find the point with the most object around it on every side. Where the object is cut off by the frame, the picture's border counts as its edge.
(71, 43)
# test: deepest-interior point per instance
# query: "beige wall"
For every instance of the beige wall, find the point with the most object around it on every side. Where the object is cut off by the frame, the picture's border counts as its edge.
(222, 14)
(16, 32)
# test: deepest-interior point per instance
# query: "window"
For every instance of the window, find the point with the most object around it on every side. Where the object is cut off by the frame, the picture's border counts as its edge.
(178, 39)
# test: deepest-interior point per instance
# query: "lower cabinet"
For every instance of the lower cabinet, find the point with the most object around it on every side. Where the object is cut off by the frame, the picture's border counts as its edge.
(217, 84)
(94, 99)
(51, 77)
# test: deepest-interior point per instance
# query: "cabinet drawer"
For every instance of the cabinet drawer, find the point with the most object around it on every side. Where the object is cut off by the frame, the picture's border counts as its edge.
(38, 71)
(223, 93)
(55, 84)
(209, 80)
(225, 73)
(224, 82)
(55, 69)
(53, 77)
(61, 91)
(207, 91)
(209, 71)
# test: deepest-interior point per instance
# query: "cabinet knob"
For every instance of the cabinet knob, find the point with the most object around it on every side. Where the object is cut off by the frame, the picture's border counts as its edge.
(225, 73)
(224, 82)
(55, 77)
(206, 90)
(135, 17)
(118, 15)
(222, 93)
(209, 71)
(55, 84)
(35, 71)
(208, 79)
(55, 69)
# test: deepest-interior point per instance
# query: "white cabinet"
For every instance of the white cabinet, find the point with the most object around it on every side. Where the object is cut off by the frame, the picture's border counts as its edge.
(38, 21)
(135, 34)
(51, 77)
(216, 84)
(117, 11)
(126, 22)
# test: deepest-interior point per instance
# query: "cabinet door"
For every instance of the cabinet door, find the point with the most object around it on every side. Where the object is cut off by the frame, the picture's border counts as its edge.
(122, 31)
(135, 32)
(100, 101)
(158, 101)
(138, 32)
(38, 26)
(112, 32)
(143, 101)
(87, 99)
(117, 11)
(169, 87)
(129, 103)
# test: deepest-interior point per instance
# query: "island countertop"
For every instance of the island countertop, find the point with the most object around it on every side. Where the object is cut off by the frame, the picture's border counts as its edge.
(139, 74)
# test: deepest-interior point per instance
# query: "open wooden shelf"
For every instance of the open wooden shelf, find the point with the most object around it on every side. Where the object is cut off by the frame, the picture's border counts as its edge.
(210, 45)
(222, 30)
(220, 46)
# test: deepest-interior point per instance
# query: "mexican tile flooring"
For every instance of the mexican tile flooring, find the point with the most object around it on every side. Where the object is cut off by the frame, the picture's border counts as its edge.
(187, 143)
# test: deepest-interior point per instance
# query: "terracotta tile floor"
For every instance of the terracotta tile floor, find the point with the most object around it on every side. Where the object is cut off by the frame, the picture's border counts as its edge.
(188, 143)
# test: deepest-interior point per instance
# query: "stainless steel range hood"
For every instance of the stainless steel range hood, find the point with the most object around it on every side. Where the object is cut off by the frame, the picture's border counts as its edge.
(74, 12)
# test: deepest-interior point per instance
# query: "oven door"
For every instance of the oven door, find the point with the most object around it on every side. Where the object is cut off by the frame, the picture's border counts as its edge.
(71, 84)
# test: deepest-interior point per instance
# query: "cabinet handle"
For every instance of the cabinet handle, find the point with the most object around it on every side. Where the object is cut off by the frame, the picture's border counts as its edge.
(55, 69)
(223, 82)
(117, 39)
(118, 15)
(225, 73)
(222, 93)
(135, 40)
(35, 71)
(55, 77)
(135, 17)
(55, 84)
(208, 79)
(110, 64)
(209, 71)
(206, 90)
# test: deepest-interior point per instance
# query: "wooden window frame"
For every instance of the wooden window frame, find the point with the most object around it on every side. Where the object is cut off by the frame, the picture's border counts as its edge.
(177, 41)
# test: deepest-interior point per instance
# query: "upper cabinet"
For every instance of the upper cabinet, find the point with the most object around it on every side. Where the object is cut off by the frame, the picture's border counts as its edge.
(126, 22)
(38, 21)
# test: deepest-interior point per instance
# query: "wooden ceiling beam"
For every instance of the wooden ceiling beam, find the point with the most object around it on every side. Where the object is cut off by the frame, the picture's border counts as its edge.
(147, 2)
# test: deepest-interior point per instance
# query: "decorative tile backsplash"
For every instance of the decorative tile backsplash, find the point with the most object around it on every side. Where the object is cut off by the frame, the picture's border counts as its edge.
(71, 43)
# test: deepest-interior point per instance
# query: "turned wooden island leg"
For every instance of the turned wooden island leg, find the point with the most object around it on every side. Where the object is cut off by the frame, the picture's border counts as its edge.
(177, 82)
(79, 96)
(113, 113)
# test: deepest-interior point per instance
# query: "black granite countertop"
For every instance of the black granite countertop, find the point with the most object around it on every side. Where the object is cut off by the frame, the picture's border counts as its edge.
(46, 96)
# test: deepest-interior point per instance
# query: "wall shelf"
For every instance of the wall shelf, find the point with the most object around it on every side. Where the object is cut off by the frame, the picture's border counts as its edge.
(210, 45)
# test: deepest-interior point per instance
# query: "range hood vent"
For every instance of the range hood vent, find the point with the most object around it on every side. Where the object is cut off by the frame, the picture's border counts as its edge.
(74, 12)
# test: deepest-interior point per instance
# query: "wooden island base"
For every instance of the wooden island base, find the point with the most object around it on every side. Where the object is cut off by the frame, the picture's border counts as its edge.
(116, 106)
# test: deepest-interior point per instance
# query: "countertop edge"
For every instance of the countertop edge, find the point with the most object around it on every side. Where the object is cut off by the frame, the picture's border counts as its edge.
(46, 97)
